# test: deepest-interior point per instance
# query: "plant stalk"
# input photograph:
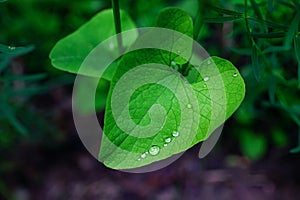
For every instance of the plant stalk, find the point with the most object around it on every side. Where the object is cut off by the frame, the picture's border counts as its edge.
(117, 20)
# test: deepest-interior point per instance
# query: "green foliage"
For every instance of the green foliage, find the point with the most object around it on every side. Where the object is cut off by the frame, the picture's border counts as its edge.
(272, 27)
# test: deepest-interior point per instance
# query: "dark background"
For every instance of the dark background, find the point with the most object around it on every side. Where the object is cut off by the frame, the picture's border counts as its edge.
(42, 157)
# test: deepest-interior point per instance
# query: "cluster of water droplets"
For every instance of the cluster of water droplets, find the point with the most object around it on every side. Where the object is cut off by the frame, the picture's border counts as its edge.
(155, 149)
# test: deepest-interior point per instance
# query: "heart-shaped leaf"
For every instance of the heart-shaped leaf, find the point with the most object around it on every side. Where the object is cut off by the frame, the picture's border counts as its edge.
(69, 53)
(153, 112)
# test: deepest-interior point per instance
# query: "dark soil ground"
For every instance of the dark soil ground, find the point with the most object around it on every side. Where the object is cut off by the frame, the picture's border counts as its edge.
(71, 173)
(66, 171)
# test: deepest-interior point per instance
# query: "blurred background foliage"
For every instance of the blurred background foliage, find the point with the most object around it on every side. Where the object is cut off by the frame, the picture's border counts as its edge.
(264, 45)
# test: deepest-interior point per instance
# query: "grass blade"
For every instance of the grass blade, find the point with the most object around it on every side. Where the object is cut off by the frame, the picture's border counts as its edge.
(225, 11)
(297, 53)
(269, 35)
(255, 62)
(221, 19)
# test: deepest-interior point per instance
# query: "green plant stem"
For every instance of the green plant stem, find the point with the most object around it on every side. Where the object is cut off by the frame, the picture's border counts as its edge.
(117, 20)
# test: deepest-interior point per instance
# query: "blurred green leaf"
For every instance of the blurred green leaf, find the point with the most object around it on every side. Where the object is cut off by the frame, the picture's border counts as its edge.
(279, 138)
(253, 145)
(9, 52)
(292, 31)
(15, 51)
(297, 53)
(256, 63)
(34, 77)
(7, 111)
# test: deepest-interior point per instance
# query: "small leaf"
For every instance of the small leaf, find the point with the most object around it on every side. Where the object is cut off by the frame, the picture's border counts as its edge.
(15, 51)
(9, 52)
(69, 53)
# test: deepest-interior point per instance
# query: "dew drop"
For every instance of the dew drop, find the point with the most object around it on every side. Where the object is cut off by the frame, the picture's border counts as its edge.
(178, 51)
(154, 150)
(235, 75)
(143, 155)
(11, 48)
(189, 106)
(175, 133)
(165, 145)
(168, 140)
(206, 79)
(209, 62)
(139, 158)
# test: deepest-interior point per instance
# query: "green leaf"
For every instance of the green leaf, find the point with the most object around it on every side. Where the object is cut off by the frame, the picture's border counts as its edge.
(149, 122)
(178, 20)
(69, 53)
(120, 150)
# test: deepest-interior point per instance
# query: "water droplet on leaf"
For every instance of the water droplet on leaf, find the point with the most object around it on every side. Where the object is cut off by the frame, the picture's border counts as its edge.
(167, 140)
(206, 79)
(165, 145)
(173, 63)
(154, 150)
(235, 75)
(143, 155)
(189, 106)
(175, 133)
(209, 62)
